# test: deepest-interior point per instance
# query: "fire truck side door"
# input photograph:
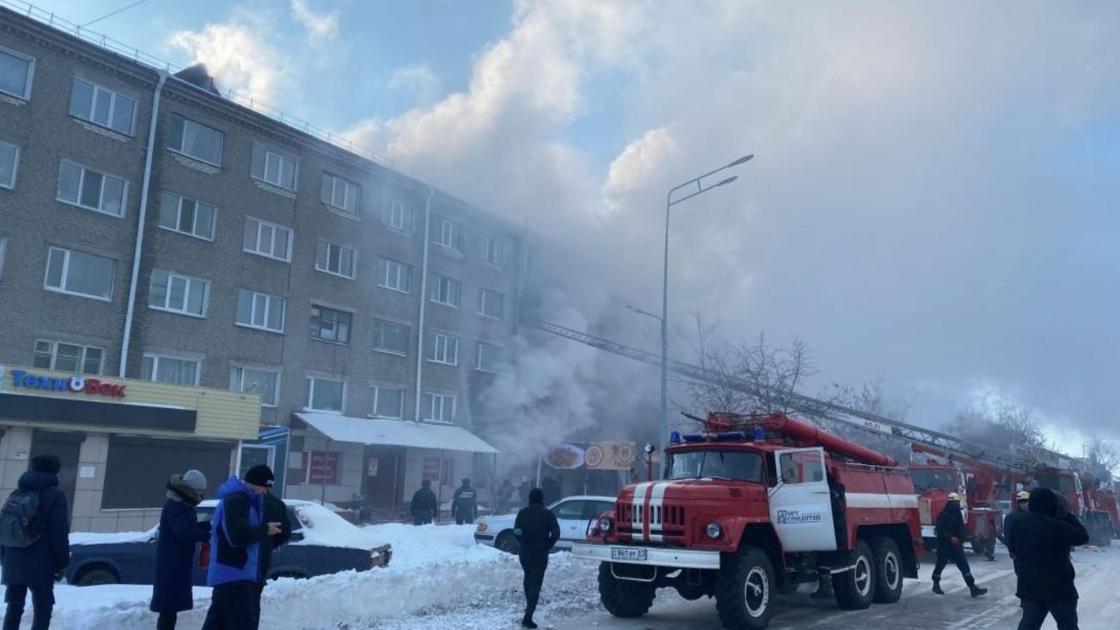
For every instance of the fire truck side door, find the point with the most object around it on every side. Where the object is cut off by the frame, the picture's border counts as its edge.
(800, 508)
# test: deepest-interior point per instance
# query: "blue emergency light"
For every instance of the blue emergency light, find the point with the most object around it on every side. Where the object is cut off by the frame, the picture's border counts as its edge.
(675, 437)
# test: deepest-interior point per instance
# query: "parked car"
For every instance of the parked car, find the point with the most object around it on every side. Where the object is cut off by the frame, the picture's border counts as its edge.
(573, 514)
(322, 543)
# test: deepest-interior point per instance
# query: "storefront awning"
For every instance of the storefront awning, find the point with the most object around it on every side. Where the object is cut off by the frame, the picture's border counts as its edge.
(373, 431)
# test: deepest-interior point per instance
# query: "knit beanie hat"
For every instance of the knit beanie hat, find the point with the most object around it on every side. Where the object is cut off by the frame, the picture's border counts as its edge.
(259, 475)
(536, 496)
(46, 464)
(195, 479)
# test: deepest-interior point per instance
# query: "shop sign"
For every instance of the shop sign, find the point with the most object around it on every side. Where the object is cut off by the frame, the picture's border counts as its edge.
(71, 384)
(610, 456)
(565, 457)
(323, 467)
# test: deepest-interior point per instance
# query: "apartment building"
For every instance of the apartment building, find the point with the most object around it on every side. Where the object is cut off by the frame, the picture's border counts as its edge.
(151, 228)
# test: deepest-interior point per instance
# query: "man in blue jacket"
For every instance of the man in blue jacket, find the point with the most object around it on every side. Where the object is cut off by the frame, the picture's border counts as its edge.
(238, 531)
(38, 565)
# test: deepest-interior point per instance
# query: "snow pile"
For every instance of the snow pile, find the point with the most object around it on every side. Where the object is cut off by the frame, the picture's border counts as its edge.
(89, 538)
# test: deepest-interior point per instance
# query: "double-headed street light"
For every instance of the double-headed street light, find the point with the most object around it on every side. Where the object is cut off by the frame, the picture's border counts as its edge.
(698, 182)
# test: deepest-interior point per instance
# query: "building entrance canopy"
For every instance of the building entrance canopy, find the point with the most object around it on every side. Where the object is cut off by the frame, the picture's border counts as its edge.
(374, 431)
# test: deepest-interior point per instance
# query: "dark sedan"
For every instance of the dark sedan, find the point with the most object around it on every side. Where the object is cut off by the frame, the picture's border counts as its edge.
(322, 543)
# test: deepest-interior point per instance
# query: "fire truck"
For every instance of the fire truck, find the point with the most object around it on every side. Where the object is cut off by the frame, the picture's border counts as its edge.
(1085, 495)
(982, 487)
(753, 506)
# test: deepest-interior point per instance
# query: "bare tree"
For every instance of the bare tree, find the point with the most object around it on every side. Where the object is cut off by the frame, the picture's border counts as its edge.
(771, 373)
(1008, 426)
(870, 397)
(1103, 455)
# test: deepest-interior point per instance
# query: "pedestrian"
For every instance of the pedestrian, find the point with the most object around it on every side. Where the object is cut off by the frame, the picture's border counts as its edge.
(34, 542)
(179, 533)
(424, 504)
(505, 495)
(464, 503)
(950, 546)
(274, 512)
(1041, 541)
(537, 532)
(238, 531)
(523, 492)
(1018, 511)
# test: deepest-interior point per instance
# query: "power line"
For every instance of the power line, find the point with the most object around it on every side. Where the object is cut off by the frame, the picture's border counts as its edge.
(118, 11)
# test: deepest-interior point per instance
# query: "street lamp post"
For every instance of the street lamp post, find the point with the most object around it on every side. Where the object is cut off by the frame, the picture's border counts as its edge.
(669, 203)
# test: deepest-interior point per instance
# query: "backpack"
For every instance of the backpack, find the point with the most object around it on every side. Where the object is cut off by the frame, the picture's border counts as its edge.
(20, 524)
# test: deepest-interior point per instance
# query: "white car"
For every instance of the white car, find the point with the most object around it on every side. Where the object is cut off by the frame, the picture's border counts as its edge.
(574, 514)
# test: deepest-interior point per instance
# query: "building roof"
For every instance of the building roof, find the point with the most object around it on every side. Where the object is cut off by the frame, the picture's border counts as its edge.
(376, 431)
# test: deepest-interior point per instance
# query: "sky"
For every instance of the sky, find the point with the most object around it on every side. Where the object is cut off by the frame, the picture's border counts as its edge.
(933, 200)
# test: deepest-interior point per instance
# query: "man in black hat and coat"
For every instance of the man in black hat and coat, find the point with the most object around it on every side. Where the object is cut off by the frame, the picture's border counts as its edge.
(274, 512)
(537, 532)
(1041, 542)
(38, 565)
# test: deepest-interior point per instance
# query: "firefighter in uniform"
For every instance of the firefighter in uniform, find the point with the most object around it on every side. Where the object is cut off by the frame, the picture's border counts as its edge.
(950, 541)
(1018, 511)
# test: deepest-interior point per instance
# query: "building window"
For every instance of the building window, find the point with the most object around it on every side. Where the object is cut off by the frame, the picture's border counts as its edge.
(390, 337)
(439, 407)
(394, 275)
(487, 357)
(260, 310)
(325, 394)
(268, 239)
(491, 303)
(328, 324)
(388, 402)
(496, 251)
(195, 140)
(178, 294)
(399, 216)
(90, 189)
(187, 216)
(273, 168)
(253, 380)
(165, 369)
(15, 73)
(335, 259)
(3, 251)
(102, 106)
(68, 357)
(450, 235)
(340, 193)
(445, 290)
(9, 163)
(78, 273)
(445, 349)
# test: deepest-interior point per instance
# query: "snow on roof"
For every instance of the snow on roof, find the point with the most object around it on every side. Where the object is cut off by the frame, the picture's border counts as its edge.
(396, 432)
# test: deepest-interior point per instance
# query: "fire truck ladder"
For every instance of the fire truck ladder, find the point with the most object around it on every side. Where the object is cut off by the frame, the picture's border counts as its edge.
(801, 403)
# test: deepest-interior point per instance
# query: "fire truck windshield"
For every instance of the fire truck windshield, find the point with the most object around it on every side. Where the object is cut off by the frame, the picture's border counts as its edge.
(732, 465)
(1059, 483)
(926, 479)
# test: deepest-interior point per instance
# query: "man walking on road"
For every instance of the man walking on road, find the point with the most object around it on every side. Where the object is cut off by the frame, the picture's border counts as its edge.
(537, 532)
(464, 503)
(1018, 511)
(1040, 543)
(35, 539)
(950, 540)
(424, 504)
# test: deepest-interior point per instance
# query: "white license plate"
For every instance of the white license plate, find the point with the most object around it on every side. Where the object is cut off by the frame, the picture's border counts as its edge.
(626, 553)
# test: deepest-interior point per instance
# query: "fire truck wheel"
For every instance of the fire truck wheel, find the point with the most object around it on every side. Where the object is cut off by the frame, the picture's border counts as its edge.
(623, 598)
(855, 588)
(888, 570)
(745, 589)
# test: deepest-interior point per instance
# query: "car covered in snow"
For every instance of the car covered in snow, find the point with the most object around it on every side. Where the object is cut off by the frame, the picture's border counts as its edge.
(322, 543)
(572, 513)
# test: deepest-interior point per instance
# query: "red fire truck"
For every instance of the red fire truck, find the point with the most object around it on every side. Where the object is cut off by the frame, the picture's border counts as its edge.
(753, 506)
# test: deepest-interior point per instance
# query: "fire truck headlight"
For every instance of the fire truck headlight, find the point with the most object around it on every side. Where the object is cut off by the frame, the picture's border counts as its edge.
(714, 530)
(605, 525)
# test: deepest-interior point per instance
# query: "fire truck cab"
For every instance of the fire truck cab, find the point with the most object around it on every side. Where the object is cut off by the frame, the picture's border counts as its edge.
(754, 506)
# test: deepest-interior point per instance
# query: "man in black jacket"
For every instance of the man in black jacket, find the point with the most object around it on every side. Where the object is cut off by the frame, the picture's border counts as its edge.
(950, 541)
(37, 566)
(274, 512)
(424, 504)
(464, 503)
(1018, 511)
(537, 532)
(1041, 542)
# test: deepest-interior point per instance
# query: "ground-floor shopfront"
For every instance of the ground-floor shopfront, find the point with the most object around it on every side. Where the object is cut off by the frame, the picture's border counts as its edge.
(374, 465)
(119, 440)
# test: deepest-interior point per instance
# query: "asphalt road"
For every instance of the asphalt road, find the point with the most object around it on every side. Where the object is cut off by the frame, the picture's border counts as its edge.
(919, 609)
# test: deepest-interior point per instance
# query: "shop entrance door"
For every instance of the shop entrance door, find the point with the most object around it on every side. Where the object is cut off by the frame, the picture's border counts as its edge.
(384, 476)
(67, 446)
